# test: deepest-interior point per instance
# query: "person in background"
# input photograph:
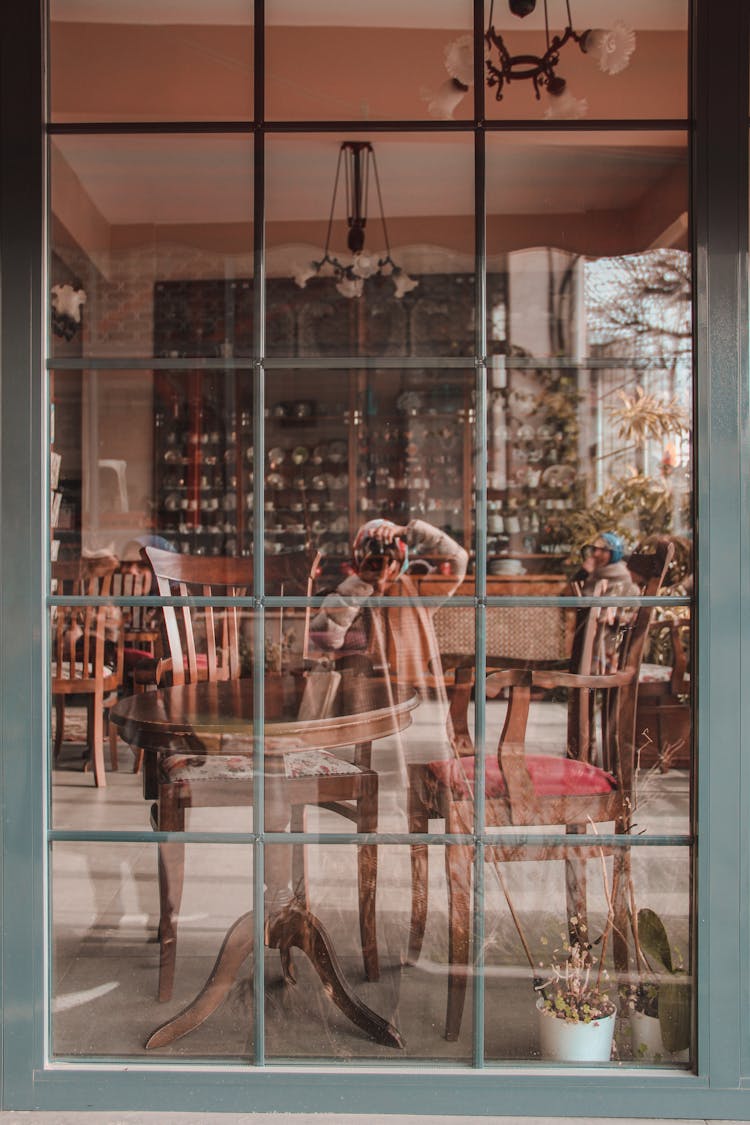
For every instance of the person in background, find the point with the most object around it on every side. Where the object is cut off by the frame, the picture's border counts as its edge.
(604, 562)
(604, 571)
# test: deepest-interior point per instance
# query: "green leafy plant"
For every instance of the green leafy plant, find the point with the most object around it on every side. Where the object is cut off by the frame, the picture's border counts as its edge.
(665, 993)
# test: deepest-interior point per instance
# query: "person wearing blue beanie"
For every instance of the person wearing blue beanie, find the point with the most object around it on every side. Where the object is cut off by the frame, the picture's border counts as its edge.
(604, 561)
(616, 546)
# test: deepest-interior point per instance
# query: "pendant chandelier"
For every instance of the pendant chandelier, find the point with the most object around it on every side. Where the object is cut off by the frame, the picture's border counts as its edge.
(609, 48)
(357, 159)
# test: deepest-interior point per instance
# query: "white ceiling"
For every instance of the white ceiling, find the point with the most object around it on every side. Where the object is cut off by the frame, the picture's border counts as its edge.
(200, 179)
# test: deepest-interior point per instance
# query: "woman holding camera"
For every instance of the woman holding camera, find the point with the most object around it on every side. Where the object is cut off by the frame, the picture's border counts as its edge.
(399, 637)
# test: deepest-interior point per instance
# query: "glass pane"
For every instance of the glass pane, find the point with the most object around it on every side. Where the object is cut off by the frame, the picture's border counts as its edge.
(652, 1005)
(386, 444)
(347, 720)
(590, 389)
(306, 1022)
(203, 487)
(375, 59)
(363, 299)
(131, 217)
(141, 62)
(561, 750)
(181, 469)
(634, 63)
(105, 961)
(119, 704)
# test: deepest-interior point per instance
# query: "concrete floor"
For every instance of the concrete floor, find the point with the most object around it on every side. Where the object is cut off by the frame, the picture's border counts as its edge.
(105, 914)
(52, 1118)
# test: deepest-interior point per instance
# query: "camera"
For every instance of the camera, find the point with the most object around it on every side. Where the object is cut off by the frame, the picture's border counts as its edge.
(373, 554)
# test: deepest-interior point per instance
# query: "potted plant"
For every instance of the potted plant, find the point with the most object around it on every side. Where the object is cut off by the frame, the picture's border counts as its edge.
(576, 1016)
(660, 1009)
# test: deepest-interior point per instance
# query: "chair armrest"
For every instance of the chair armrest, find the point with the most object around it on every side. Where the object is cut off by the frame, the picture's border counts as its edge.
(550, 679)
(507, 678)
(152, 672)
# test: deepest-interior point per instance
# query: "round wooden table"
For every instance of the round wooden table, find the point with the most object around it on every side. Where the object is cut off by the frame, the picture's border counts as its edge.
(207, 717)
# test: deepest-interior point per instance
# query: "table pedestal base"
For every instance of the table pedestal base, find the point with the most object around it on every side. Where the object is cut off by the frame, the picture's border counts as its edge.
(292, 926)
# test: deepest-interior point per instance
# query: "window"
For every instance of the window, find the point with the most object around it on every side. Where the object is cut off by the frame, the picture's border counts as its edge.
(268, 336)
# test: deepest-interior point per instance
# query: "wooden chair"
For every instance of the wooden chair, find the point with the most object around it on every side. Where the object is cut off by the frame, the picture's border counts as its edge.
(87, 665)
(663, 726)
(142, 640)
(527, 789)
(205, 644)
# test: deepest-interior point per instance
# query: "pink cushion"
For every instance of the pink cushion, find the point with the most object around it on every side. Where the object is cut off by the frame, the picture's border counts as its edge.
(551, 777)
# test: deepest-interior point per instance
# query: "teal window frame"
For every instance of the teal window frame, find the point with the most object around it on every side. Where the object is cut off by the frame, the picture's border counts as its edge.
(719, 130)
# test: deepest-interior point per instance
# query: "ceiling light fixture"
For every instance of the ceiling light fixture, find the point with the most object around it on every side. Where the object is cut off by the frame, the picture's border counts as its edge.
(357, 157)
(609, 48)
(67, 303)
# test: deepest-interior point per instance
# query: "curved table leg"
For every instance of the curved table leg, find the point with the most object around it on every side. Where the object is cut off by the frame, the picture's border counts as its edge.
(291, 927)
(296, 927)
(235, 949)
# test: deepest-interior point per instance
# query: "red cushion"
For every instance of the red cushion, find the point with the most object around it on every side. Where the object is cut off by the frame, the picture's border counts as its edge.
(551, 777)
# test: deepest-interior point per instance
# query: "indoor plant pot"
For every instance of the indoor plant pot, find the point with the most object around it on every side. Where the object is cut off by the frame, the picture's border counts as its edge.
(576, 1017)
(566, 1040)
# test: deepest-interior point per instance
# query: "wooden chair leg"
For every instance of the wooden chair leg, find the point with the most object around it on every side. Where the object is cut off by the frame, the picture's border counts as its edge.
(170, 818)
(367, 876)
(418, 822)
(96, 741)
(458, 861)
(620, 883)
(114, 758)
(137, 759)
(299, 863)
(575, 894)
(59, 725)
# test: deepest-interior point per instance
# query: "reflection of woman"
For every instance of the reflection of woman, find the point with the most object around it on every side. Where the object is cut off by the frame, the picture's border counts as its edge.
(401, 638)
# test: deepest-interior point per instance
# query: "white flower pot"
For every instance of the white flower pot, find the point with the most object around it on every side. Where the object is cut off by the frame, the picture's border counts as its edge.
(647, 1041)
(570, 1041)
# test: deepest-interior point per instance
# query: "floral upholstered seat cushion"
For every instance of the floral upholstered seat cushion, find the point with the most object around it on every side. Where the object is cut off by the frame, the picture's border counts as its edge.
(657, 674)
(225, 767)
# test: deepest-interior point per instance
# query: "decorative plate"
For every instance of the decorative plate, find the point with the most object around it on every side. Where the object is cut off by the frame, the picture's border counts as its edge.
(337, 452)
(559, 476)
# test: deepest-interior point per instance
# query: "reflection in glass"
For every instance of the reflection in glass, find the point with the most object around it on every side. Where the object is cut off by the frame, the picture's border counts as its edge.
(130, 213)
(156, 67)
(426, 186)
(394, 445)
(305, 1022)
(632, 63)
(181, 470)
(590, 386)
(105, 914)
(527, 936)
(370, 61)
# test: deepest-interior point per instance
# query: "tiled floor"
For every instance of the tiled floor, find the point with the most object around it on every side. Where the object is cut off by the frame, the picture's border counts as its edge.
(105, 913)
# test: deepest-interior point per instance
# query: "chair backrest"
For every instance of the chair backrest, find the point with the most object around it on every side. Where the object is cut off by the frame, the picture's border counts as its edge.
(203, 642)
(649, 569)
(133, 581)
(81, 635)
